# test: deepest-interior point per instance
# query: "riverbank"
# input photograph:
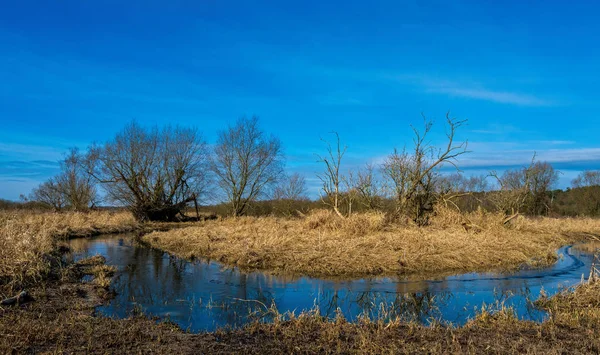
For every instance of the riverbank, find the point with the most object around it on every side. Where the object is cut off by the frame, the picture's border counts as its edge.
(61, 319)
(323, 245)
(29, 240)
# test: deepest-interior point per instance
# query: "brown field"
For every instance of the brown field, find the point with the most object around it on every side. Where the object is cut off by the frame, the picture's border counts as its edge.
(321, 244)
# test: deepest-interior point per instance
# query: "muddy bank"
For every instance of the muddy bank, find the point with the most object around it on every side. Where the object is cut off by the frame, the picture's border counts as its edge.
(62, 319)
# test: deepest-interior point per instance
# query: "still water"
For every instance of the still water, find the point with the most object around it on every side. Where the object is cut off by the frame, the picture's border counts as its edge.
(204, 296)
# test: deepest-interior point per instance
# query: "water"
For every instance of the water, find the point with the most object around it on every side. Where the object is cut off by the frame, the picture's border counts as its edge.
(204, 296)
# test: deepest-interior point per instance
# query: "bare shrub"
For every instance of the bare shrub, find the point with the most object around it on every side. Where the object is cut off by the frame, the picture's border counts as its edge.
(331, 179)
(414, 174)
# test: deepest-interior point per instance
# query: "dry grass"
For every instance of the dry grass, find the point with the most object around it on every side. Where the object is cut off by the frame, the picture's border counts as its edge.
(321, 244)
(61, 319)
(27, 239)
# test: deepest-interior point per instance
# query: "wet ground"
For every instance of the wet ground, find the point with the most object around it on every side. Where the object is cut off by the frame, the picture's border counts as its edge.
(204, 296)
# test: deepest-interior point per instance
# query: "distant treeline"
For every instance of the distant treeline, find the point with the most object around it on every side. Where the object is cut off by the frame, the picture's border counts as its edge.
(579, 201)
(160, 172)
(572, 202)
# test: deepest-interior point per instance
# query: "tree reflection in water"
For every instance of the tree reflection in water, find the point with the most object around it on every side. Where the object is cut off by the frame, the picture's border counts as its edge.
(203, 295)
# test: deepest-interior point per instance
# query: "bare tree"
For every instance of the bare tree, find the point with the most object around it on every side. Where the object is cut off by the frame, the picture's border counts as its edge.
(525, 189)
(246, 162)
(72, 188)
(587, 178)
(350, 194)
(75, 183)
(292, 187)
(397, 168)
(155, 172)
(543, 178)
(49, 193)
(290, 190)
(586, 191)
(331, 179)
(414, 175)
(460, 192)
(368, 188)
(477, 183)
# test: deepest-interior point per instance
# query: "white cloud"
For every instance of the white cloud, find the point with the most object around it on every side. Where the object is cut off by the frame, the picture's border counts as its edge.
(491, 95)
(496, 154)
(471, 90)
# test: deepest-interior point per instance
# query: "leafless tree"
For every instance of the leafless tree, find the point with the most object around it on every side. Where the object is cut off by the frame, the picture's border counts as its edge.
(72, 188)
(290, 190)
(331, 179)
(586, 191)
(543, 180)
(369, 189)
(587, 178)
(350, 194)
(525, 189)
(49, 193)
(397, 168)
(155, 172)
(461, 192)
(414, 174)
(292, 187)
(246, 162)
(75, 183)
(452, 183)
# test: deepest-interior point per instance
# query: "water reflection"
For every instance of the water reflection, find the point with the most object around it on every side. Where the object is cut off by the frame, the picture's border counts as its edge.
(204, 296)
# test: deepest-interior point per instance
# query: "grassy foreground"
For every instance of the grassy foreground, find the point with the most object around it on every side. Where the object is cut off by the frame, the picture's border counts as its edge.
(61, 319)
(29, 239)
(321, 244)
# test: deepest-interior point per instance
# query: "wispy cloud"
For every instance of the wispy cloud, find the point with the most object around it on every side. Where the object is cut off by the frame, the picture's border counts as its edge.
(557, 142)
(37, 170)
(503, 97)
(469, 89)
(515, 154)
(31, 152)
(428, 83)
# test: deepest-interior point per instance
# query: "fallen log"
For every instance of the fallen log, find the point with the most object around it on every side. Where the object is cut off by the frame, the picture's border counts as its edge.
(22, 297)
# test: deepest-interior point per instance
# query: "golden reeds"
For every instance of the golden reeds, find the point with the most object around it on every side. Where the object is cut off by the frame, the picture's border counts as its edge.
(322, 244)
(27, 238)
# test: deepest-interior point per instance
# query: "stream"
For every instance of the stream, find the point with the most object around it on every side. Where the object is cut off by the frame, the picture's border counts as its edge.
(204, 296)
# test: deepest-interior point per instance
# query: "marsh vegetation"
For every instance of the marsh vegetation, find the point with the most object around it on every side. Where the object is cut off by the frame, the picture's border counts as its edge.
(234, 204)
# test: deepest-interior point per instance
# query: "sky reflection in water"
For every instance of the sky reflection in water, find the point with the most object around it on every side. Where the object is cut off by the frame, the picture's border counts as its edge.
(204, 296)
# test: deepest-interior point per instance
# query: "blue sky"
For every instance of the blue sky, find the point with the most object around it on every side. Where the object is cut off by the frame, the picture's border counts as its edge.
(524, 74)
